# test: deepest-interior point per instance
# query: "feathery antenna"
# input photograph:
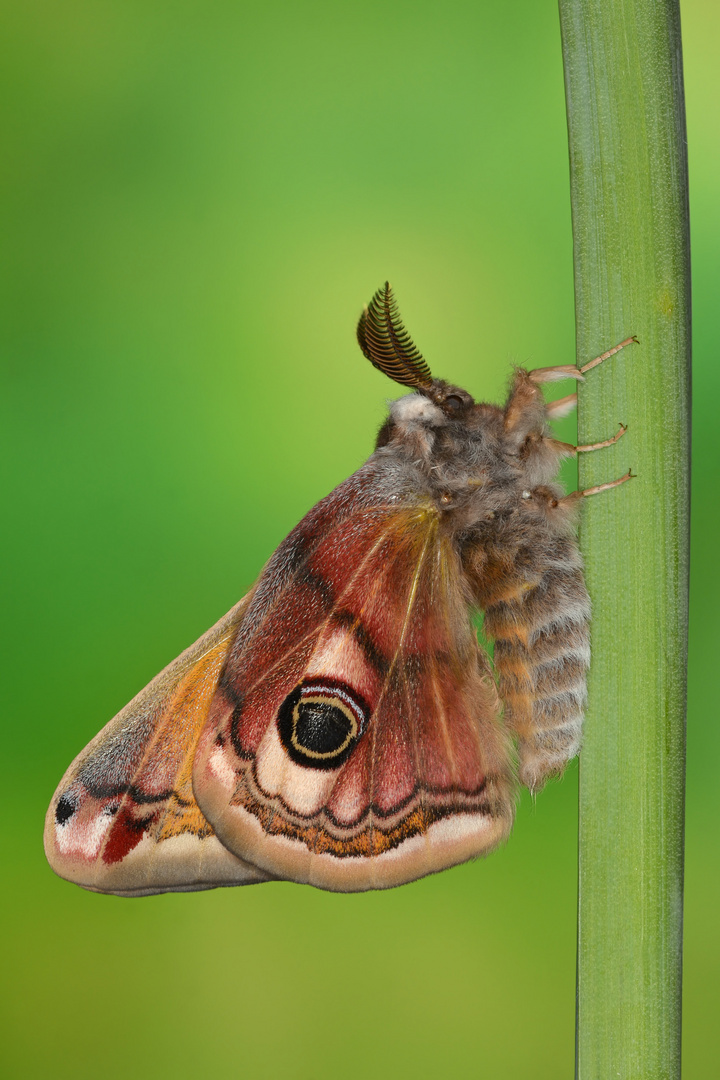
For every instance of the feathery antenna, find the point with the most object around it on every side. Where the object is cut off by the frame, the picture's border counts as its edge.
(387, 344)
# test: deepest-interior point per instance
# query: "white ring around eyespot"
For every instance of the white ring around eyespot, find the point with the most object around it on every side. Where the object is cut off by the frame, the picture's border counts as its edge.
(331, 693)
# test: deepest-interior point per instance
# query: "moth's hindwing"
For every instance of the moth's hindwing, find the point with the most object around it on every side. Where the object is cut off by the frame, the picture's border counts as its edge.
(354, 742)
(124, 818)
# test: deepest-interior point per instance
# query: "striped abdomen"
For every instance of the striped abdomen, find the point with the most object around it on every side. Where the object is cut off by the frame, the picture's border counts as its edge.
(537, 610)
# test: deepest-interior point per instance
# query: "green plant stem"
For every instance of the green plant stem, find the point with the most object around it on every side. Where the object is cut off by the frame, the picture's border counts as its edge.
(626, 122)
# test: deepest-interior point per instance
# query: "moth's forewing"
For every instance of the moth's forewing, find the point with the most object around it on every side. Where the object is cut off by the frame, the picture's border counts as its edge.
(124, 818)
(354, 740)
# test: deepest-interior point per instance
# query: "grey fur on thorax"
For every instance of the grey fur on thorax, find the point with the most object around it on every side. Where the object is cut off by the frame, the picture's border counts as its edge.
(470, 460)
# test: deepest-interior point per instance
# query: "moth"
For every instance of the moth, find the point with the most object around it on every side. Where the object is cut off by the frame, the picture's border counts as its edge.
(341, 726)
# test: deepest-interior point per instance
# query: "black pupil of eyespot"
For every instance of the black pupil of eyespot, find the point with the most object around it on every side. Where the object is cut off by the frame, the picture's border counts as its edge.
(317, 728)
(454, 402)
(321, 728)
(64, 810)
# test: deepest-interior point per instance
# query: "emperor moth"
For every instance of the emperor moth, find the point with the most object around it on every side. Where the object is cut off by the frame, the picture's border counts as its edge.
(341, 726)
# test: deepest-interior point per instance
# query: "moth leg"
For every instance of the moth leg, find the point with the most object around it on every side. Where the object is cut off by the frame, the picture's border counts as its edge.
(526, 412)
(611, 352)
(599, 445)
(575, 496)
(555, 410)
(568, 450)
(555, 374)
(570, 371)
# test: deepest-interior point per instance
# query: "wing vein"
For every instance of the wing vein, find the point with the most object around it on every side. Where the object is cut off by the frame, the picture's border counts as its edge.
(410, 605)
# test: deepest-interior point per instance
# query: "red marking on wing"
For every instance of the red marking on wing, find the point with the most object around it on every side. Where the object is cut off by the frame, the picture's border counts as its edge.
(427, 720)
(446, 696)
(395, 774)
(126, 833)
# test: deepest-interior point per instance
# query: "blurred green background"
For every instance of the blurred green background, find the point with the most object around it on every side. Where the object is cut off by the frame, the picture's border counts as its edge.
(198, 197)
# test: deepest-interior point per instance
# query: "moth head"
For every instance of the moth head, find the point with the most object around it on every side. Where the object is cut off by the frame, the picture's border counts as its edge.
(386, 343)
